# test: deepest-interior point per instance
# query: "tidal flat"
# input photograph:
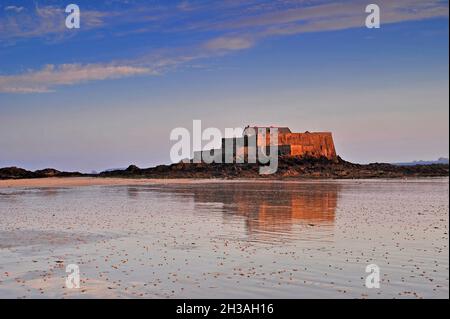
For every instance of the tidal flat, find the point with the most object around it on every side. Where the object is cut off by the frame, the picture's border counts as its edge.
(224, 239)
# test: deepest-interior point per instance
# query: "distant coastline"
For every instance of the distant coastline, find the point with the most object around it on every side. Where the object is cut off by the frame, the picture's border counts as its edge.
(288, 168)
(441, 160)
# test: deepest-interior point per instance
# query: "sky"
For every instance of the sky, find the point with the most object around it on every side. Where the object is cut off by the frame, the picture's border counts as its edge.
(108, 94)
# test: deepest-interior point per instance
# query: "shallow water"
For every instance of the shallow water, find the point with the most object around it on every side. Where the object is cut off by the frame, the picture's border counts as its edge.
(227, 239)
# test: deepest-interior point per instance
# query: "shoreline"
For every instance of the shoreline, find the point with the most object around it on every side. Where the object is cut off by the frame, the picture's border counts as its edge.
(113, 181)
(289, 168)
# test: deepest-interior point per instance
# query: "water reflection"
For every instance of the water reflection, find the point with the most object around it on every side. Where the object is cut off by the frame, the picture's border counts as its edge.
(133, 192)
(267, 209)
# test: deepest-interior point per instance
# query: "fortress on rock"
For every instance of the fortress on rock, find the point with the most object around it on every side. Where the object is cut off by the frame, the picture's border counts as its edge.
(307, 144)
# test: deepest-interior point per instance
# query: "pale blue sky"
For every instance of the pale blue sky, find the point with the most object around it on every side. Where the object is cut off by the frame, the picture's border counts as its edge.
(109, 94)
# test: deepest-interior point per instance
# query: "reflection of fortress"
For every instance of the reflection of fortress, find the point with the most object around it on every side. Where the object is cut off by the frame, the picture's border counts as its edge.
(273, 207)
(316, 144)
(270, 210)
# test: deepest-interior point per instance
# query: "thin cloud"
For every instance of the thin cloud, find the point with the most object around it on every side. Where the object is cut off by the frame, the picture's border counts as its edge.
(318, 18)
(256, 17)
(51, 76)
(229, 43)
(44, 21)
(14, 8)
(236, 26)
(345, 16)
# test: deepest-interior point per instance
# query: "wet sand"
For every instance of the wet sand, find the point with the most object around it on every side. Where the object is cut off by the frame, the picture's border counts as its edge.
(117, 181)
(225, 239)
(83, 181)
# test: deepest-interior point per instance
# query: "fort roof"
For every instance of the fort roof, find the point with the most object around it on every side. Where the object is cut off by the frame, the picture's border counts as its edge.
(281, 129)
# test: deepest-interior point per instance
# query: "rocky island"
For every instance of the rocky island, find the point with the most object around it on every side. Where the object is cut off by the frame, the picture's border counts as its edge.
(288, 168)
(300, 155)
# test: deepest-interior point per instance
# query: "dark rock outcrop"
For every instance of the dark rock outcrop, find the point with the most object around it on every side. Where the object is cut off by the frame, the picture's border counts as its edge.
(14, 173)
(18, 173)
(288, 167)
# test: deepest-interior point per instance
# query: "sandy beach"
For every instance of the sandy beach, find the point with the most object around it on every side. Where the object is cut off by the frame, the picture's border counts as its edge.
(118, 181)
(84, 181)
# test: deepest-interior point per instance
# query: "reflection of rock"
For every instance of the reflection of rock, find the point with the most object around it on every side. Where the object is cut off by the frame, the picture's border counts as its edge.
(49, 191)
(133, 192)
